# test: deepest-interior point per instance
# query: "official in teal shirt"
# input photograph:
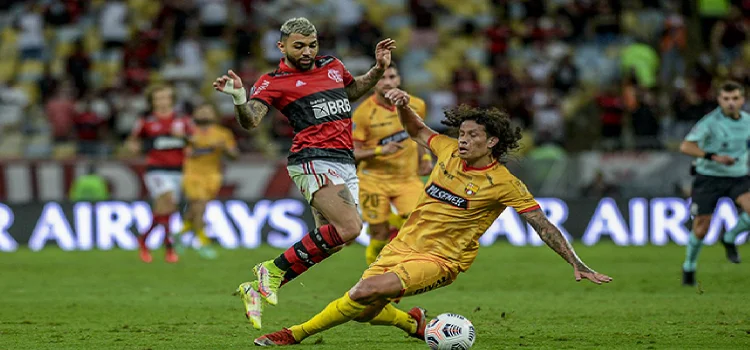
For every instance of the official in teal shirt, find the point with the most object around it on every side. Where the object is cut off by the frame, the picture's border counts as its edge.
(720, 142)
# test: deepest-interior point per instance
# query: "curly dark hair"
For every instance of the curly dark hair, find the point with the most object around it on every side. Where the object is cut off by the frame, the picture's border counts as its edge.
(496, 123)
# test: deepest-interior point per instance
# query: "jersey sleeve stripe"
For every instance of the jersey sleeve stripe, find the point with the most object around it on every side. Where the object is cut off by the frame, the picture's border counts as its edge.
(530, 209)
(261, 101)
(429, 140)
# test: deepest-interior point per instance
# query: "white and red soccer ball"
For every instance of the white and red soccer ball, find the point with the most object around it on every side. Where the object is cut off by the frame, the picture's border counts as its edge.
(450, 332)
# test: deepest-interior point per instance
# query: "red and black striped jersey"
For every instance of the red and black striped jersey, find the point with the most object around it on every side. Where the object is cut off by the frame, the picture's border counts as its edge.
(163, 150)
(317, 106)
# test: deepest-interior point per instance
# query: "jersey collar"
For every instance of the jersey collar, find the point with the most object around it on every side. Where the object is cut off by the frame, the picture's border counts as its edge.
(466, 167)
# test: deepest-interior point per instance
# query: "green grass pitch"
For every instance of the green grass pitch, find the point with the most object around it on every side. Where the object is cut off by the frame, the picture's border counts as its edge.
(516, 298)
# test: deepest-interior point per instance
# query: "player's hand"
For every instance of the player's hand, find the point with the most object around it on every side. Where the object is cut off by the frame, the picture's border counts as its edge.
(383, 53)
(391, 148)
(591, 275)
(726, 160)
(231, 84)
(425, 167)
(221, 82)
(398, 97)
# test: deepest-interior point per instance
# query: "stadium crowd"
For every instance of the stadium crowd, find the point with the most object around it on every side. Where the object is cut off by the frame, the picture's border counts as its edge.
(577, 74)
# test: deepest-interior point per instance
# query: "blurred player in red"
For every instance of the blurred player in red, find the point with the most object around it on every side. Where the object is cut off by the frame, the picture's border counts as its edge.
(314, 93)
(163, 135)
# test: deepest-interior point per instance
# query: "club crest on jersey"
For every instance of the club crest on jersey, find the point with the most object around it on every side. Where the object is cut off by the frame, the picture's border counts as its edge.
(471, 189)
(335, 75)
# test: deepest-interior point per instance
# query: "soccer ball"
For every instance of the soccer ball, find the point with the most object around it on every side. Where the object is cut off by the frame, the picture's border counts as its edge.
(449, 332)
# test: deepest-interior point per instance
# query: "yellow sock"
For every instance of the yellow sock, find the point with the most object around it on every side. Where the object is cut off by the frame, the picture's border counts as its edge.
(339, 311)
(391, 316)
(187, 226)
(201, 232)
(372, 251)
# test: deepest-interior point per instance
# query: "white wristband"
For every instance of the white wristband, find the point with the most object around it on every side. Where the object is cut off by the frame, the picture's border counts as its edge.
(240, 99)
(238, 95)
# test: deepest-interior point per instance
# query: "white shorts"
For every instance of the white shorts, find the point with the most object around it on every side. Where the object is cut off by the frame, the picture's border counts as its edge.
(312, 176)
(159, 182)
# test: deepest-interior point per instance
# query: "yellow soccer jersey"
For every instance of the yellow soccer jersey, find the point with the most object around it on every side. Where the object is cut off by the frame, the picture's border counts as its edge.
(207, 148)
(458, 205)
(375, 125)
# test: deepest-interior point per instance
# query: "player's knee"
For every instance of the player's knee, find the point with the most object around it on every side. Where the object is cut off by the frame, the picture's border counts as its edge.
(700, 227)
(349, 230)
(365, 292)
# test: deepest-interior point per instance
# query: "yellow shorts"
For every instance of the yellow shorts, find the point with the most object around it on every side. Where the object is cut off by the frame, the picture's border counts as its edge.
(201, 187)
(377, 193)
(418, 272)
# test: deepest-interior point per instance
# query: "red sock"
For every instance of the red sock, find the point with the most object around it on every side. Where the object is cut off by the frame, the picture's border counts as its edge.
(154, 223)
(164, 221)
(312, 249)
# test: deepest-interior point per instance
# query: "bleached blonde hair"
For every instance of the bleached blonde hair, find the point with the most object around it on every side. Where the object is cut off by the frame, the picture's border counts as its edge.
(297, 25)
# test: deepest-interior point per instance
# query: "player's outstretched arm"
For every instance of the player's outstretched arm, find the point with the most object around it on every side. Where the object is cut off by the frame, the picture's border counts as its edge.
(412, 123)
(248, 113)
(362, 84)
(555, 240)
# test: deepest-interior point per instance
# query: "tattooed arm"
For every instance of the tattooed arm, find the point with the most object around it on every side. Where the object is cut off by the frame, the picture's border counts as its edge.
(362, 84)
(249, 114)
(555, 240)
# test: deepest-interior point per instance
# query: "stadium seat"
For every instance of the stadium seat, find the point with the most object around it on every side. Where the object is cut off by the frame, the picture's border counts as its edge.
(38, 146)
(11, 145)
(30, 70)
(64, 150)
(7, 69)
(32, 91)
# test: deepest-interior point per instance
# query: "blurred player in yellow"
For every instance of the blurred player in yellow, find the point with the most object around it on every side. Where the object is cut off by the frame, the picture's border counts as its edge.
(465, 194)
(389, 163)
(202, 171)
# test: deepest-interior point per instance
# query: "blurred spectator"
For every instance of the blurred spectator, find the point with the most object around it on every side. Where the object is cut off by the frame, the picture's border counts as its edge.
(47, 83)
(13, 102)
(710, 11)
(728, 36)
(673, 47)
(113, 25)
(364, 36)
(605, 24)
(173, 19)
(611, 116)
(466, 84)
(61, 110)
(58, 13)
(498, 35)
(645, 123)
(77, 68)
(643, 61)
(213, 16)
(89, 187)
(599, 187)
(566, 75)
(89, 123)
(31, 32)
